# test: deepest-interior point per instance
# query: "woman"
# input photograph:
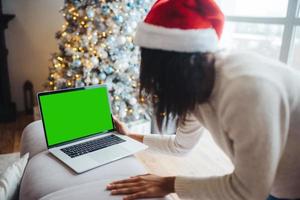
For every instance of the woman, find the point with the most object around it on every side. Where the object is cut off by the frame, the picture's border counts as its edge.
(250, 105)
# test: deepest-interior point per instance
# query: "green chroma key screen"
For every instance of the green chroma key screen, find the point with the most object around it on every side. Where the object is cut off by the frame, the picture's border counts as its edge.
(74, 114)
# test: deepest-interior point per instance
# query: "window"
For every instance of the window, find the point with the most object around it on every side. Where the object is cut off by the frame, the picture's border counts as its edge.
(254, 8)
(262, 38)
(296, 47)
(269, 27)
(296, 50)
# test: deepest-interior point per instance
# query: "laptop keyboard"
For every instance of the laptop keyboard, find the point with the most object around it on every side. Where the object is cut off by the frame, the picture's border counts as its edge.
(93, 145)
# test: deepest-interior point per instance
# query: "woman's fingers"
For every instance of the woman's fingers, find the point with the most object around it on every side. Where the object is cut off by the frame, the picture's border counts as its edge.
(130, 180)
(122, 185)
(137, 195)
(129, 190)
(118, 122)
(120, 126)
(115, 118)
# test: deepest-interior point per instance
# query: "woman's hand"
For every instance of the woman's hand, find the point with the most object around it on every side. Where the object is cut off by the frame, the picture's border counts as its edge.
(121, 127)
(143, 186)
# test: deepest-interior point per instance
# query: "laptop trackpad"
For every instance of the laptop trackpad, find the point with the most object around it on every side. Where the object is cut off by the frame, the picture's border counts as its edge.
(109, 154)
(81, 164)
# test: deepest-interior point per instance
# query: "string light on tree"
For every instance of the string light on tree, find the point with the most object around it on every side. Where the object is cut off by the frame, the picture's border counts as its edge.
(96, 47)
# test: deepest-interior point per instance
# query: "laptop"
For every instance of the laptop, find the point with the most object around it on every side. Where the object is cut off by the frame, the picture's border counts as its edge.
(79, 128)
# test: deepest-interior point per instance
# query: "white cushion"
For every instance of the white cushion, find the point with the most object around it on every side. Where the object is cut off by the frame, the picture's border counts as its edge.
(93, 191)
(7, 159)
(11, 177)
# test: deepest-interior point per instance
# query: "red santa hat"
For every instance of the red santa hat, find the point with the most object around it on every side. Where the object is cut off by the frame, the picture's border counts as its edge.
(182, 26)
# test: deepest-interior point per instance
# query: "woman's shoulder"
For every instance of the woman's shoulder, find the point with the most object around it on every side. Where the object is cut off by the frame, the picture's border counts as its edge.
(239, 63)
(246, 72)
(233, 66)
(234, 55)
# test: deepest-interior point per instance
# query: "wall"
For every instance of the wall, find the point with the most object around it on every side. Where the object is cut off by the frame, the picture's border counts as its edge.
(30, 39)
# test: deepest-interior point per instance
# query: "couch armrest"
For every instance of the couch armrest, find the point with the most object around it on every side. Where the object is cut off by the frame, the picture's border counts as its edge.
(33, 139)
(45, 174)
(93, 190)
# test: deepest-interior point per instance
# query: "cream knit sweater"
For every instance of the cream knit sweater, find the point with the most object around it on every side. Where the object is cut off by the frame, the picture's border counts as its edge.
(254, 116)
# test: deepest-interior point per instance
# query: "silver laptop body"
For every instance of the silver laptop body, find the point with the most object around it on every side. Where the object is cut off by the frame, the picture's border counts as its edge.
(90, 160)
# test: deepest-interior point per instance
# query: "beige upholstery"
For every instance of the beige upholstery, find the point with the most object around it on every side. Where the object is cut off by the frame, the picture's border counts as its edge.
(33, 139)
(79, 192)
(47, 178)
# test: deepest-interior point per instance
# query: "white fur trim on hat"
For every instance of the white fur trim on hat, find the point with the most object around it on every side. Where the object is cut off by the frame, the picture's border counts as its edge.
(173, 39)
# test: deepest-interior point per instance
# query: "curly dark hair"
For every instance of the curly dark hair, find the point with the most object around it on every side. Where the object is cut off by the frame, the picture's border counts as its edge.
(177, 82)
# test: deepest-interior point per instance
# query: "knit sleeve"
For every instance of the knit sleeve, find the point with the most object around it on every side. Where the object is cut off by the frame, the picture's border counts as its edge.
(187, 136)
(255, 116)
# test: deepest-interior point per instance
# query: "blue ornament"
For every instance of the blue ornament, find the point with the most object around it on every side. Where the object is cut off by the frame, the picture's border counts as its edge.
(111, 40)
(102, 76)
(118, 19)
(105, 9)
(130, 5)
(109, 70)
(90, 13)
(139, 2)
(77, 3)
(76, 63)
(130, 46)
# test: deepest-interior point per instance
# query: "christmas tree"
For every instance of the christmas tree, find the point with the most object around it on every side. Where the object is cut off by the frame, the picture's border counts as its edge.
(96, 47)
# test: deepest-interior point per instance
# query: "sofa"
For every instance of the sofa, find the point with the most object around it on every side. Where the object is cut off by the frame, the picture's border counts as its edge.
(47, 178)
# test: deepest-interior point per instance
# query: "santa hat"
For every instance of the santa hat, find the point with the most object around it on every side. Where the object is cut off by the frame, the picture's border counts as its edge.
(182, 26)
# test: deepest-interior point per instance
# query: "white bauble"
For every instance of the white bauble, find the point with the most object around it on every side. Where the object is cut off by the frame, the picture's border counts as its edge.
(87, 80)
(109, 22)
(90, 12)
(95, 61)
(128, 30)
(136, 116)
(102, 76)
(69, 73)
(111, 41)
(108, 70)
(69, 51)
(133, 101)
(133, 24)
(94, 39)
(95, 80)
(122, 113)
(117, 108)
(121, 64)
(84, 41)
(121, 40)
(76, 63)
(102, 53)
(79, 83)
